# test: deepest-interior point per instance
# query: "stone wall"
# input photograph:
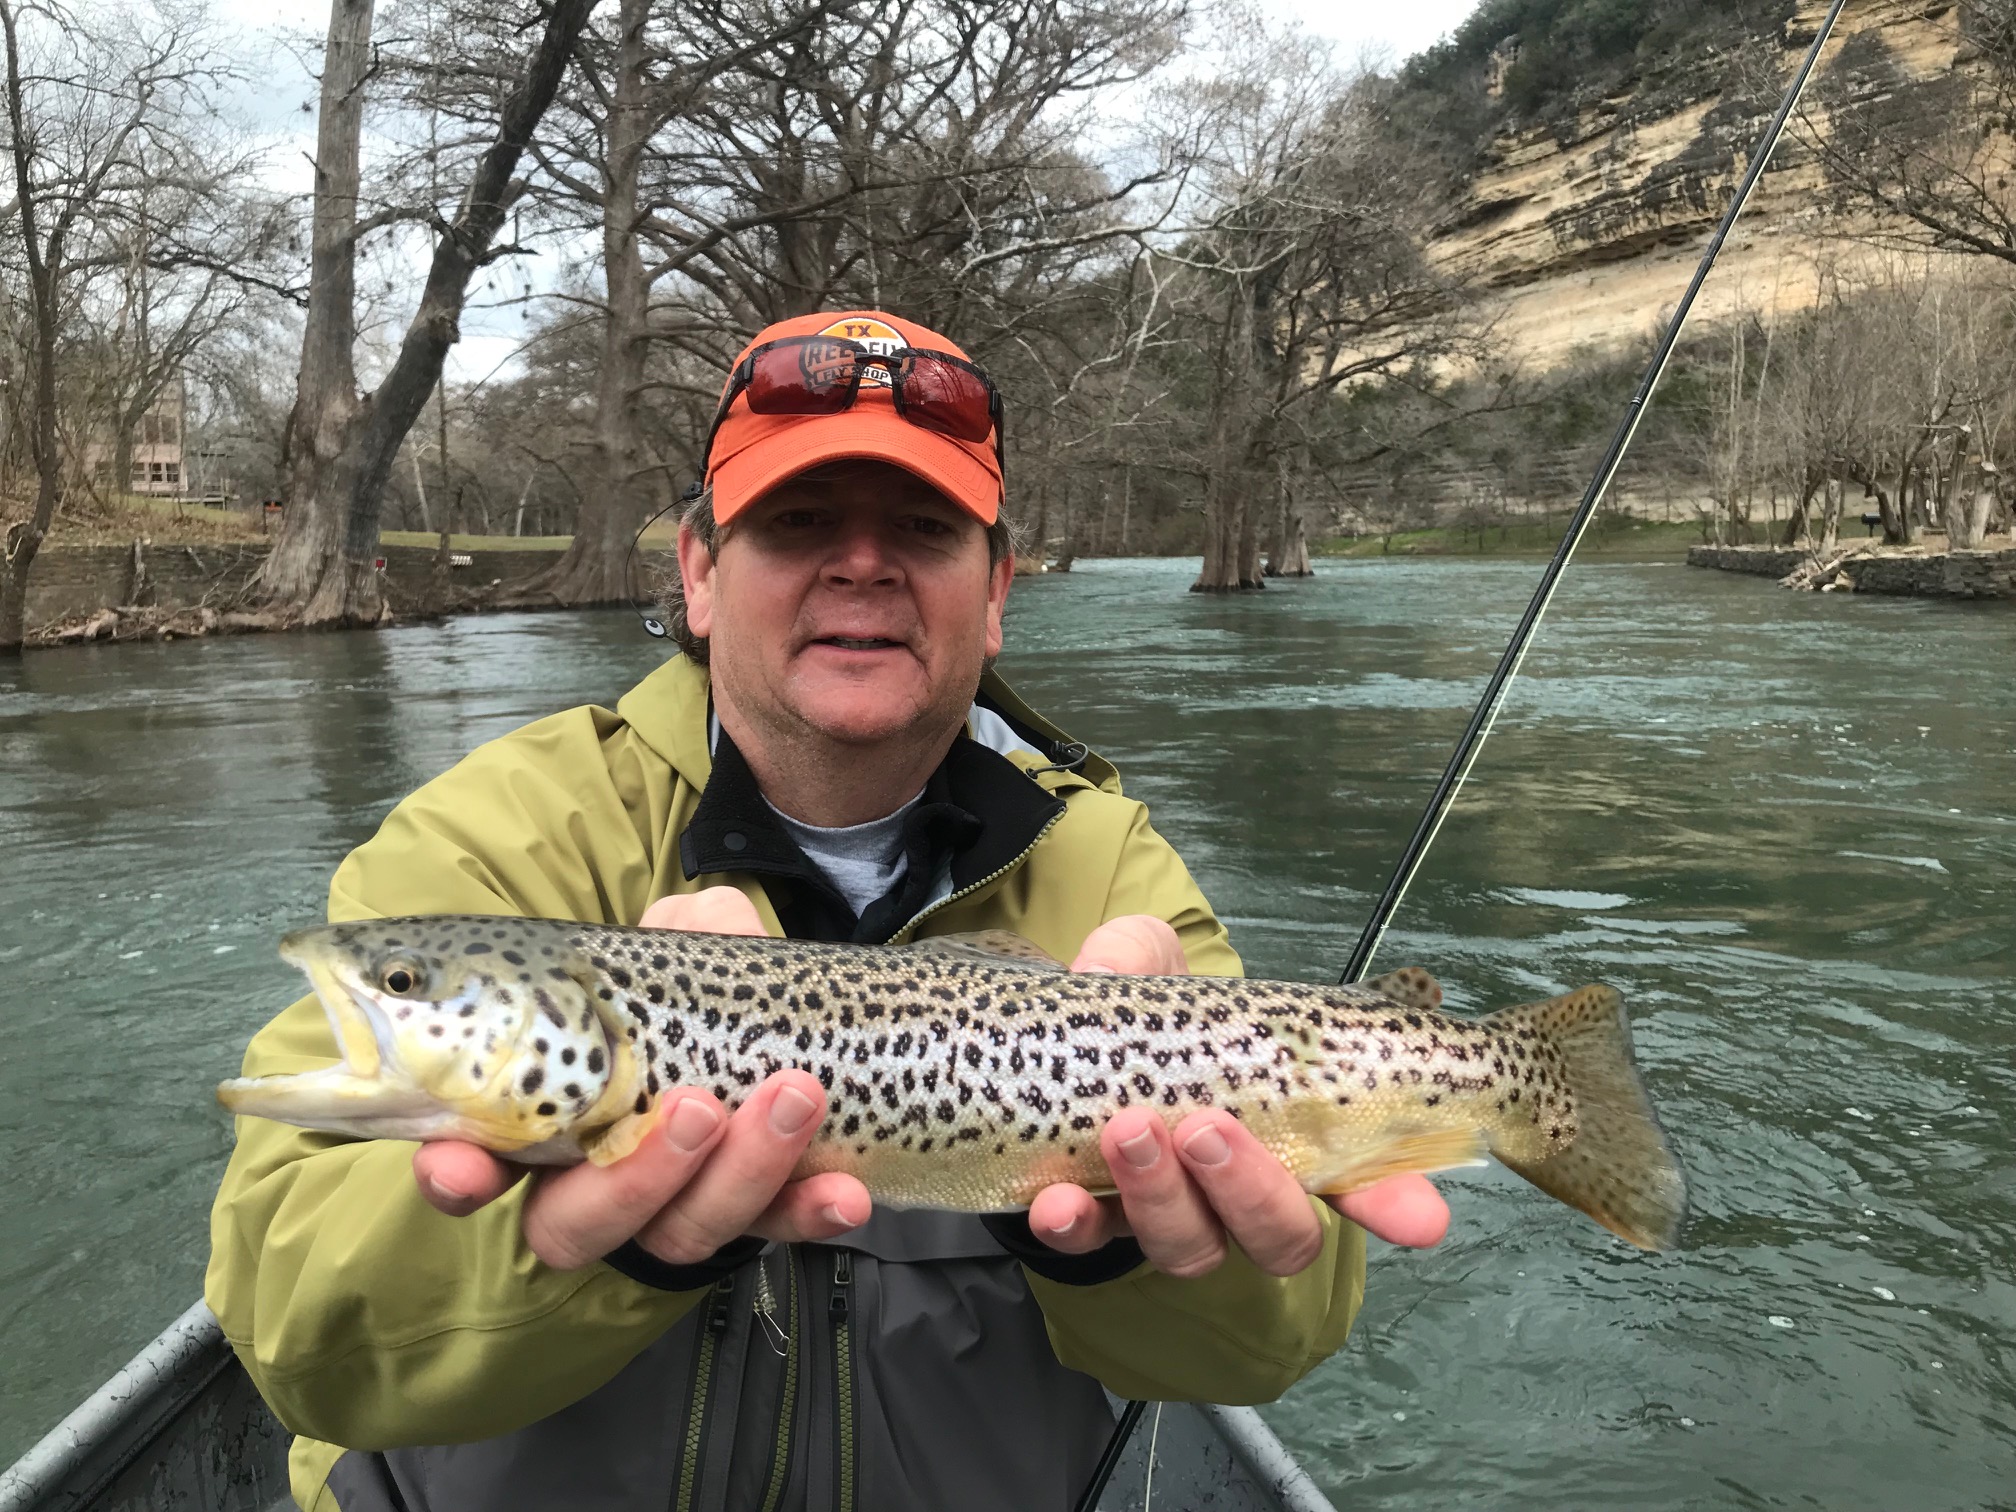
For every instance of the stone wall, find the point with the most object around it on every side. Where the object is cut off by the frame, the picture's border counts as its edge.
(1911, 571)
(70, 582)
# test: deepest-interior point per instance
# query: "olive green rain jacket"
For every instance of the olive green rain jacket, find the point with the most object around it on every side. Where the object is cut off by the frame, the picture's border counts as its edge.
(914, 1365)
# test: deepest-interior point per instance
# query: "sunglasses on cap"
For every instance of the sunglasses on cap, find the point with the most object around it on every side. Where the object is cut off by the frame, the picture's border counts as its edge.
(821, 375)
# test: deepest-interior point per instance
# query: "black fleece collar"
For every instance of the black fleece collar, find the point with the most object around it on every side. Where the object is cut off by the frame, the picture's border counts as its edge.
(979, 812)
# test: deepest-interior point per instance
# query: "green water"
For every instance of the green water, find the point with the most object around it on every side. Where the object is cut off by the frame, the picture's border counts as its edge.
(1784, 825)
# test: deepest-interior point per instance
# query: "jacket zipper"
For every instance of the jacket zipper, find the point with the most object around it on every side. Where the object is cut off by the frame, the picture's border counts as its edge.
(788, 1397)
(904, 935)
(843, 1374)
(718, 1306)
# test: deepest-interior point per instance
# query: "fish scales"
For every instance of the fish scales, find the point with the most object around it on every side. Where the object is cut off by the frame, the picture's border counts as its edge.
(924, 1053)
(966, 1073)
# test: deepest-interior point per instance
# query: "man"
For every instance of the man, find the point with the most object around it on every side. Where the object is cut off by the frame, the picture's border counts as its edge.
(690, 1328)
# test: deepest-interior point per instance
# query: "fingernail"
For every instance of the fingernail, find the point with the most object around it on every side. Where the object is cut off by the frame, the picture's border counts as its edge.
(1097, 971)
(1207, 1147)
(445, 1192)
(1141, 1151)
(1059, 1230)
(691, 1125)
(791, 1111)
(832, 1214)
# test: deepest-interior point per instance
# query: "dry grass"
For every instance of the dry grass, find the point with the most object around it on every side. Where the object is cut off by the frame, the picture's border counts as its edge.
(123, 518)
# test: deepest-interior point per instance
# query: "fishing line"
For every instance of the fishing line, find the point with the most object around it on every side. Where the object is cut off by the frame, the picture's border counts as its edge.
(1485, 715)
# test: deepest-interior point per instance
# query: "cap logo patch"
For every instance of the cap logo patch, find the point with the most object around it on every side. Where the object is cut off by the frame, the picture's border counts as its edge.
(824, 364)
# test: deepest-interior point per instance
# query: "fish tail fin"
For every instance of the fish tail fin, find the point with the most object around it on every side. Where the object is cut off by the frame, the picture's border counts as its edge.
(1620, 1170)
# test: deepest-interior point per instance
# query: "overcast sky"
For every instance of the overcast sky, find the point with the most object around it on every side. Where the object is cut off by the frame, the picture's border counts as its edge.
(1380, 34)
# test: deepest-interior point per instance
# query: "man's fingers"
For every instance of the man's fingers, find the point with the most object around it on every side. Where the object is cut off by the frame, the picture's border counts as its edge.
(1262, 1206)
(1072, 1221)
(459, 1178)
(744, 1174)
(819, 1207)
(1175, 1226)
(580, 1214)
(1133, 945)
(1401, 1210)
(712, 910)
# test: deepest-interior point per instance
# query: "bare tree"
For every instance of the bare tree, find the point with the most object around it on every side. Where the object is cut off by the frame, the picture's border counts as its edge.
(1307, 273)
(346, 442)
(782, 156)
(92, 112)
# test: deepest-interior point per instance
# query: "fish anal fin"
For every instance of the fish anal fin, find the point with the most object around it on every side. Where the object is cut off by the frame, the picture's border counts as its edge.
(997, 947)
(1400, 1154)
(611, 1142)
(1409, 986)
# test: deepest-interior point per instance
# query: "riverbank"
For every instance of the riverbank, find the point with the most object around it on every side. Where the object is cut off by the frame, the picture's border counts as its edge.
(1622, 538)
(1872, 567)
(148, 590)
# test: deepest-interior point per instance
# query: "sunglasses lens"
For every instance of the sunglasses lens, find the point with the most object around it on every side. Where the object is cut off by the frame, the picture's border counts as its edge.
(941, 397)
(804, 378)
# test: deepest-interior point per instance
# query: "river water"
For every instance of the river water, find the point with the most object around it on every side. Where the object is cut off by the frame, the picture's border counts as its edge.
(1783, 825)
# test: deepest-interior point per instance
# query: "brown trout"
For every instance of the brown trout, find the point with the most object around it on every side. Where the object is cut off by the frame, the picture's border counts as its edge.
(964, 1072)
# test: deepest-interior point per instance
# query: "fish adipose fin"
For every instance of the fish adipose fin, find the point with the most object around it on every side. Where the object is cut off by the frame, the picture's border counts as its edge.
(996, 947)
(1410, 987)
(1620, 1170)
(1436, 1150)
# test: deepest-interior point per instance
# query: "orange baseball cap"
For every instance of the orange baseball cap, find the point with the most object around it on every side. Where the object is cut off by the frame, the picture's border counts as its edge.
(754, 453)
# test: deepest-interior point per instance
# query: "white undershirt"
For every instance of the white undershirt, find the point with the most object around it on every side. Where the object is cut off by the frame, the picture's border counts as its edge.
(862, 861)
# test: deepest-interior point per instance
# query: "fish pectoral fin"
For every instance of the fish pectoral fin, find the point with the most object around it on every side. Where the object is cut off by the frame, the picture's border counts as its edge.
(996, 947)
(1409, 986)
(1400, 1154)
(610, 1143)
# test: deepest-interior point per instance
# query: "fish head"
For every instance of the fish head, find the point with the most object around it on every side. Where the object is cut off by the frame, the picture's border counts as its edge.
(452, 1028)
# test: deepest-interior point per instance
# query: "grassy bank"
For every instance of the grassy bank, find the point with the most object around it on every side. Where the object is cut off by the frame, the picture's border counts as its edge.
(165, 522)
(476, 542)
(1609, 536)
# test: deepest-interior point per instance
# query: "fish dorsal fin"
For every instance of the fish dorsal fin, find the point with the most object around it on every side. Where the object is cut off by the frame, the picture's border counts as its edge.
(995, 947)
(1409, 986)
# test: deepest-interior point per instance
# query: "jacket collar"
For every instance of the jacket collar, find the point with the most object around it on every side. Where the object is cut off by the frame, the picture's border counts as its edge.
(668, 711)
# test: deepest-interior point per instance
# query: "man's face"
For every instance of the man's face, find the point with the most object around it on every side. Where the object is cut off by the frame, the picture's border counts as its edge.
(859, 609)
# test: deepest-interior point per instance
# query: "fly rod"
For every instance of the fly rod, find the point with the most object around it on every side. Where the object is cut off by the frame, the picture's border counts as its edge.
(1486, 712)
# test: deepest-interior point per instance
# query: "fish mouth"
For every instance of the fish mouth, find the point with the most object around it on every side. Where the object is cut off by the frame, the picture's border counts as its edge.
(363, 1033)
(364, 1092)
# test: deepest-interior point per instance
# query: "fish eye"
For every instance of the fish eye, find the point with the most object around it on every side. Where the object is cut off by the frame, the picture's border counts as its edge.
(401, 977)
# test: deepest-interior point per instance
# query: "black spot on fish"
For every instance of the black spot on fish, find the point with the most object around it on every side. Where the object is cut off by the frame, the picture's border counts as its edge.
(513, 957)
(476, 948)
(547, 1110)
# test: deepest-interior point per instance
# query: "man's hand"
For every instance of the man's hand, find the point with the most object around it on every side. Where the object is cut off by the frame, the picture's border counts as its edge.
(698, 1181)
(1183, 1194)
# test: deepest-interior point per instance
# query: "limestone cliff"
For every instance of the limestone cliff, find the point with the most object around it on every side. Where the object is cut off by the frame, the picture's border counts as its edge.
(1584, 230)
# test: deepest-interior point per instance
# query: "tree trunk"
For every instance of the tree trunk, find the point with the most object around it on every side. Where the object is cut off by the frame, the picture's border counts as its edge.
(1290, 556)
(1835, 492)
(348, 444)
(308, 550)
(596, 568)
(1796, 526)
(24, 538)
(1231, 544)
